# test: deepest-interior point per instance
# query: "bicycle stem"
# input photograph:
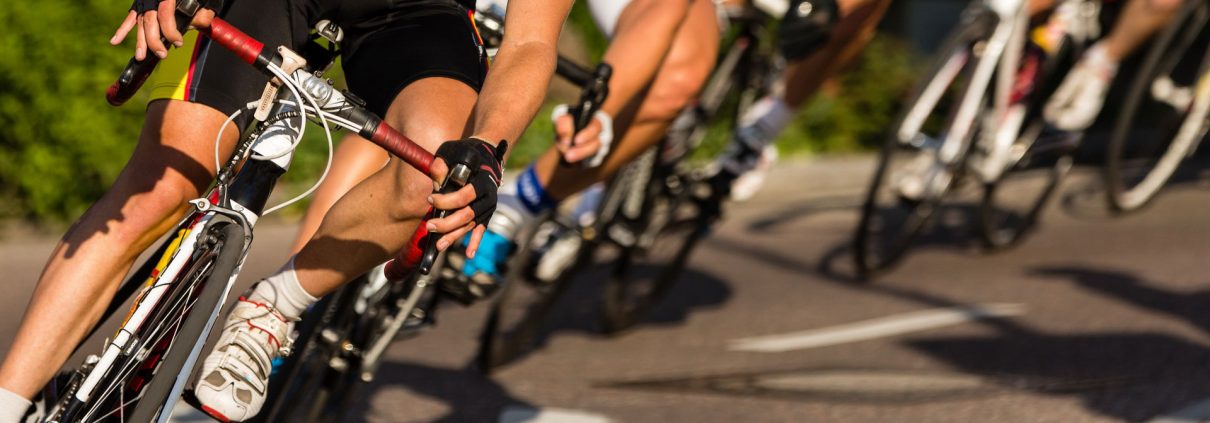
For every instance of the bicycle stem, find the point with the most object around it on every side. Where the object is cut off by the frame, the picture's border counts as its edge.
(253, 52)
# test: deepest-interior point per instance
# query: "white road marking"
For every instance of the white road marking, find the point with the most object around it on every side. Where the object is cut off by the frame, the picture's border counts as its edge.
(519, 414)
(1193, 413)
(875, 328)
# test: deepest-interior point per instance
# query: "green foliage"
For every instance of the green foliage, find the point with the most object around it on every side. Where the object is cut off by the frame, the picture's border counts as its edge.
(61, 144)
(856, 116)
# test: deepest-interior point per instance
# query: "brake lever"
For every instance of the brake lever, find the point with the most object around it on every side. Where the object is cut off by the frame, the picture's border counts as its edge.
(136, 71)
(591, 98)
(457, 178)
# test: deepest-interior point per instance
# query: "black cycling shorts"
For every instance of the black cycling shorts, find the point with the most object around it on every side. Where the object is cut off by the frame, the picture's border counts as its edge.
(388, 44)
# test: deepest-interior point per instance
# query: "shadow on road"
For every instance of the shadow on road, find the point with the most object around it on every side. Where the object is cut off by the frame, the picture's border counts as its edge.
(468, 395)
(1127, 375)
(580, 309)
(802, 210)
(951, 231)
(1192, 307)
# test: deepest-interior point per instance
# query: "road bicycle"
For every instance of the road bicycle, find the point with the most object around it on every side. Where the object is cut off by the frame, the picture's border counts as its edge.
(179, 294)
(647, 219)
(341, 340)
(1165, 115)
(977, 113)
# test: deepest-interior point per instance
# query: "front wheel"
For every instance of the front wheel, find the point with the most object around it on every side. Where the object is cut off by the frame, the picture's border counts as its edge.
(145, 384)
(1164, 116)
(520, 310)
(653, 249)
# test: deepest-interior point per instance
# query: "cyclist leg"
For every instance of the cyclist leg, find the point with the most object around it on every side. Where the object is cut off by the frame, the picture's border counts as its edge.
(430, 111)
(752, 145)
(354, 160)
(1078, 100)
(429, 95)
(681, 74)
(641, 120)
(172, 162)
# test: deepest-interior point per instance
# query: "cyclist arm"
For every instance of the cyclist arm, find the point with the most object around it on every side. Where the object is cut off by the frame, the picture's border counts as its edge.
(521, 73)
(643, 36)
(511, 96)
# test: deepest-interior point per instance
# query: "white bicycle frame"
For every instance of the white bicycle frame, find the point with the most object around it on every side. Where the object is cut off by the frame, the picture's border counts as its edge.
(998, 59)
(266, 147)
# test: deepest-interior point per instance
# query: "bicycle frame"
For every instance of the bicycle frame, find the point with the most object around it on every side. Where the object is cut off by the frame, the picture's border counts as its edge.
(239, 196)
(987, 103)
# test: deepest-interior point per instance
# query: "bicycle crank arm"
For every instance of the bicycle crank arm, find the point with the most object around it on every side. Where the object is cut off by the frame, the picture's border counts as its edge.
(371, 359)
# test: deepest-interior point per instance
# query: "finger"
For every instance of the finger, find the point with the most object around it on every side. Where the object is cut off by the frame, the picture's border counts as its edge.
(583, 150)
(437, 171)
(131, 19)
(452, 237)
(563, 129)
(151, 27)
(167, 14)
(454, 200)
(473, 246)
(452, 221)
(140, 41)
(203, 18)
(590, 132)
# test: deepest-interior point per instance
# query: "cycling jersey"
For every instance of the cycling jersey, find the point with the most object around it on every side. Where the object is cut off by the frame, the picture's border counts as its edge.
(388, 44)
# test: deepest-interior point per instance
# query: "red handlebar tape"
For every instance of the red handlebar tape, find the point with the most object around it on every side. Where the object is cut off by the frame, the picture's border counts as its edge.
(401, 146)
(243, 45)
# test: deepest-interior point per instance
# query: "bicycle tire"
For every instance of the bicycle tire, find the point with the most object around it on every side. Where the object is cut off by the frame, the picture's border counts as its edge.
(195, 326)
(305, 372)
(1013, 202)
(1123, 196)
(870, 263)
(519, 313)
(999, 230)
(628, 298)
(621, 308)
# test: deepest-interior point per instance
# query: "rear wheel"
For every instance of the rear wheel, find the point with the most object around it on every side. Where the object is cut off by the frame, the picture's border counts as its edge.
(1012, 204)
(1164, 116)
(892, 215)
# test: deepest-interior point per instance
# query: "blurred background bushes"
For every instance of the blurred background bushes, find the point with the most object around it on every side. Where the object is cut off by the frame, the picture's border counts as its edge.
(61, 144)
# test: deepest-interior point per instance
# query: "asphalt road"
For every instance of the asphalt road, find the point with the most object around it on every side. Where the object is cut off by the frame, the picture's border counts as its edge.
(1093, 319)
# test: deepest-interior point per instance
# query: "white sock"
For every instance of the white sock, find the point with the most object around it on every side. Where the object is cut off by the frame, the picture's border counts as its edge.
(758, 128)
(12, 406)
(284, 292)
(769, 116)
(511, 214)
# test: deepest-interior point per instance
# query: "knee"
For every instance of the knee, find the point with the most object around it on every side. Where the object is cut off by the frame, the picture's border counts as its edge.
(409, 199)
(675, 89)
(143, 211)
(671, 11)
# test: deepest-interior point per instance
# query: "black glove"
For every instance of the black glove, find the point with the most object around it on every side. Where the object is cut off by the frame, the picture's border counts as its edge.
(806, 26)
(484, 162)
(142, 6)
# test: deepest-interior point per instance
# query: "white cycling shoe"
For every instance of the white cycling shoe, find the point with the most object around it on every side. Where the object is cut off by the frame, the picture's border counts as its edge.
(235, 376)
(1076, 103)
(750, 182)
